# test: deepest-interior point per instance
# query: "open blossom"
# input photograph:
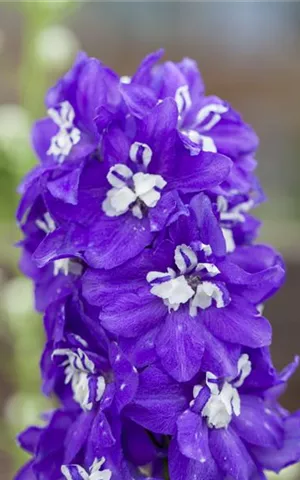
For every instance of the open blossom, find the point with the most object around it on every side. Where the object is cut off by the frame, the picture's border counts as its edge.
(229, 417)
(197, 305)
(139, 238)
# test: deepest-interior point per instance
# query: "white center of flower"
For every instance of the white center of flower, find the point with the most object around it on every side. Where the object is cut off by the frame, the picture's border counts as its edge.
(88, 387)
(187, 285)
(131, 191)
(207, 117)
(224, 400)
(74, 472)
(140, 153)
(66, 266)
(67, 135)
(126, 79)
(231, 216)
(47, 225)
(61, 266)
(207, 143)
(210, 115)
(183, 99)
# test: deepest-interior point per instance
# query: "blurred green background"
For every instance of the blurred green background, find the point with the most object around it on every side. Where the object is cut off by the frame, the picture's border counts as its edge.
(249, 54)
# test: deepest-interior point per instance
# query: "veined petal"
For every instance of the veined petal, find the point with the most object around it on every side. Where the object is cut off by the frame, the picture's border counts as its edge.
(158, 402)
(192, 436)
(238, 323)
(180, 345)
(132, 314)
(204, 171)
(257, 424)
(230, 454)
(183, 468)
(113, 242)
(210, 231)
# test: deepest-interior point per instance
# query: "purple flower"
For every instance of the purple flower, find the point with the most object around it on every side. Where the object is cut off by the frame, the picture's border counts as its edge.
(55, 458)
(149, 195)
(204, 123)
(57, 279)
(219, 426)
(47, 446)
(139, 239)
(196, 304)
(82, 367)
(69, 136)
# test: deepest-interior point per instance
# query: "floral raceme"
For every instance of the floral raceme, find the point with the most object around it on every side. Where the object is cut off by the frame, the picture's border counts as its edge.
(138, 237)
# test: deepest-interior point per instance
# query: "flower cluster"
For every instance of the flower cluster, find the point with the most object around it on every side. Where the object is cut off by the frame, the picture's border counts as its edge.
(140, 243)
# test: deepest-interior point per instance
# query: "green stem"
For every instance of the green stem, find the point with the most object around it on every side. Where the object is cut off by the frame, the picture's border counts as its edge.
(166, 469)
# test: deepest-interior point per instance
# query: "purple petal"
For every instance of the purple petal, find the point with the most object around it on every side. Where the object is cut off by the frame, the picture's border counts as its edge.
(180, 345)
(143, 73)
(29, 439)
(77, 435)
(41, 134)
(97, 85)
(263, 374)
(192, 436)
(276, 459)
(219, 357)
(31, 187)
(204, 171)
(141, 350)
(161, 132)
(257, 424)
(101, 435)
(190, 70)
(139, 99)
(66, 187)
(131, 315)
(158, 403)
(101, 286)
(182, 468)
(59, 244)
(231, 135)
(138, 446)
(167, 211)
(210, 231)
(26, 472)
(115, 146)
(126, 377)
(230, 454)
(238, 323)
(65, 88)
(114, 241)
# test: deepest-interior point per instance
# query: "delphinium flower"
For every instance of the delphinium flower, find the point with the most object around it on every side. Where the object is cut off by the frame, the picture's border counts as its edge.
(139, 238)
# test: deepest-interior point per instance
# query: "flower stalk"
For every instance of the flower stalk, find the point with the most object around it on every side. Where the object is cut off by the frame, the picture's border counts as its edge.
(139, 237)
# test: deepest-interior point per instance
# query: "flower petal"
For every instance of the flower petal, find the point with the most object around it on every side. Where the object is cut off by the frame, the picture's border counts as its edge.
(158, 403)
(276, 459)
(183, 468)
(139, 99)
(132, 314)
(238, 323)
(192, 436)
(230, 454)
(180, 345)
(210, 231)
(257, 424)
(114, 241)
